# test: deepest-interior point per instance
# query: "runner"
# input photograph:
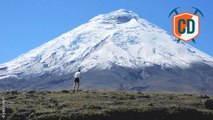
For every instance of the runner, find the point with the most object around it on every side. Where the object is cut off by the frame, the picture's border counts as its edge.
(77, 81)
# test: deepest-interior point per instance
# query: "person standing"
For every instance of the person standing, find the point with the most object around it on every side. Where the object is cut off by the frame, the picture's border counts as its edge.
(77, 80)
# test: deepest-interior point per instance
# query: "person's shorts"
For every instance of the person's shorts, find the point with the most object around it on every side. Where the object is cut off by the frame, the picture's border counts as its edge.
(77, 80)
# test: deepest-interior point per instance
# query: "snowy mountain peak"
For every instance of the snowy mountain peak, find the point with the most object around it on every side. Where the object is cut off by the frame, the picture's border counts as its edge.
(118, 50)
(115, 17)
(120, 38)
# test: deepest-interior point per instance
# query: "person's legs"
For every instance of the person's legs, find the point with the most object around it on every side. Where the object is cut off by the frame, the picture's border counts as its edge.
(78, 86)
(74, 86)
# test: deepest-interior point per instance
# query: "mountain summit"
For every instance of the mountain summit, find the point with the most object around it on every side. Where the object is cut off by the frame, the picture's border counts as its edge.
(118, 50)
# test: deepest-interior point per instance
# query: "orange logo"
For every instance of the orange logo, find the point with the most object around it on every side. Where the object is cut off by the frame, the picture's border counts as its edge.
(186, 26)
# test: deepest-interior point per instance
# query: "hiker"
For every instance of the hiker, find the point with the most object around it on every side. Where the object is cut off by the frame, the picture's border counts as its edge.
(77, 80)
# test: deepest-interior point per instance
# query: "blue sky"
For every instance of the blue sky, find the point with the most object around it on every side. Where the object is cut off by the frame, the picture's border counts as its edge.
(27, 24)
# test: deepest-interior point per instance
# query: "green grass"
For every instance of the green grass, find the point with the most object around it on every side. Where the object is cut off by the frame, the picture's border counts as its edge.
(88, 104)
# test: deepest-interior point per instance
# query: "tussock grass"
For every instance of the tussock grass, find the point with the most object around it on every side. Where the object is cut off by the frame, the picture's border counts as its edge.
(99, 104)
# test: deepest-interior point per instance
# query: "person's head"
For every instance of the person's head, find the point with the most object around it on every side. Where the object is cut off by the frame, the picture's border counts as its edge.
(79, 70)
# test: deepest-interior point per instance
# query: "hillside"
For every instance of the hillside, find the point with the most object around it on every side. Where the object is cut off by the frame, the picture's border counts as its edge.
(105, 105)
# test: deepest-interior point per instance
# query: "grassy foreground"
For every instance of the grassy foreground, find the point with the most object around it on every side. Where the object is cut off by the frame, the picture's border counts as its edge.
(105, 105)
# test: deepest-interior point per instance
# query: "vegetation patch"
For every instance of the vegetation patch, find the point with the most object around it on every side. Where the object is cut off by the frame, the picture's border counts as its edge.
(105, 105)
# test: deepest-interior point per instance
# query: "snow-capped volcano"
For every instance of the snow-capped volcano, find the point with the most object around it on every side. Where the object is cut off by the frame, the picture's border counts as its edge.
(117, 50)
